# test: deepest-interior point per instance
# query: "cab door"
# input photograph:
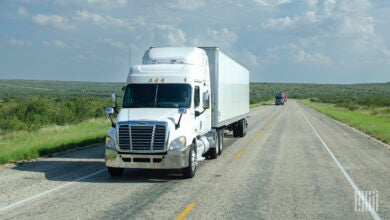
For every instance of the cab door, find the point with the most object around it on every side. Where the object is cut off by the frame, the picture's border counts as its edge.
(202, 114)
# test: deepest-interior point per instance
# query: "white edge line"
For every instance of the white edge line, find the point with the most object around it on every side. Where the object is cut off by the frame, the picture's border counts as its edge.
(49, 191)
(351, 182)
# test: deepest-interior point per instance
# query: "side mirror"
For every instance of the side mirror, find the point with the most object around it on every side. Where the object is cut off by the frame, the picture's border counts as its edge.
(109, 111)
(206, 100)
(114, 100)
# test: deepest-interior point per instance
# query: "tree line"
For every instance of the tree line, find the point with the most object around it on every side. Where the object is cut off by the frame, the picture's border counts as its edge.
(34, 112)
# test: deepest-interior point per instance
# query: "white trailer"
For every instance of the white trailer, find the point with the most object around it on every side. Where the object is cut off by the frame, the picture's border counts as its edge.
(176, 107)
(230, 91)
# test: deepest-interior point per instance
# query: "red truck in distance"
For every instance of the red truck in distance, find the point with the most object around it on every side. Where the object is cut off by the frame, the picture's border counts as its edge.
(280, 98)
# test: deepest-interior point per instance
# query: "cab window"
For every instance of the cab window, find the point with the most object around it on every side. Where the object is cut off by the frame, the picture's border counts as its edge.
(196, 97)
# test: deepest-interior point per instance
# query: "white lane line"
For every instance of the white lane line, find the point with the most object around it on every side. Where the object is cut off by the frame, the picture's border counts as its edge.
(351, 182)
(50, 191)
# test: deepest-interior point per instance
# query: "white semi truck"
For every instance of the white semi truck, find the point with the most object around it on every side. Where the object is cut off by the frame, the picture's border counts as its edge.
(176, 108)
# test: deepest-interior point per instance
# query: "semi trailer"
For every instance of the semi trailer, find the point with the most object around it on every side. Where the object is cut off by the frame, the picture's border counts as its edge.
(177, 106)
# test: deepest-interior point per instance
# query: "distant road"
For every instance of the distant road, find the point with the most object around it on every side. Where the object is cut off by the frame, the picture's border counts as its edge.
(294, 163)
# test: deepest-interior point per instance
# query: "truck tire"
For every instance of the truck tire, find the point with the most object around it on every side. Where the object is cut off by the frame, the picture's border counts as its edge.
(190, 171)
(221, 133)
(236, 128)
(214, 152)
(115, 171)
(242, 128)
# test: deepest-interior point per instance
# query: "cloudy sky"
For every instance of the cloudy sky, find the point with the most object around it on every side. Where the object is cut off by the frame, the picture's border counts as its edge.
(299, 41)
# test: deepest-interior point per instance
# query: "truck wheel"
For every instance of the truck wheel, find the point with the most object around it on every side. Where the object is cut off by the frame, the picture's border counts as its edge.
(221, 133)
(242, 128)
(190, 171)
(236, 128)
(214, 152)
(115, 171)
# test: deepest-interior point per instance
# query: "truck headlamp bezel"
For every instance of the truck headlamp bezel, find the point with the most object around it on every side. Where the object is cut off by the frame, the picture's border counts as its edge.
(110, 142)
(178, 143)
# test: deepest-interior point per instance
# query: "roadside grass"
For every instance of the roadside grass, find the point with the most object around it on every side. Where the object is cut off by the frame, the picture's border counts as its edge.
(269, 102)
(24, 145)
(373, 121)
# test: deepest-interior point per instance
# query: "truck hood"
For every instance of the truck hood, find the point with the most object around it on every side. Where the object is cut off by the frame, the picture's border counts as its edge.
(149, 114)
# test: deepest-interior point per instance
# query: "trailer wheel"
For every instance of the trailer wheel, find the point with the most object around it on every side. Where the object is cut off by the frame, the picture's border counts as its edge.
(115, 171)
(242, 128)
(221, 133)
(236, 129)
(245, 127)
(190, 171)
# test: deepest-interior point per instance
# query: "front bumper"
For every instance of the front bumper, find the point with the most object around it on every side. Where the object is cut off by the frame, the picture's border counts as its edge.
(173, 159)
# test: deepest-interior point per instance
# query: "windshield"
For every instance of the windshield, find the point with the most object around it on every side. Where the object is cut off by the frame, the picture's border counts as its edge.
(157, 96)
(279, 96)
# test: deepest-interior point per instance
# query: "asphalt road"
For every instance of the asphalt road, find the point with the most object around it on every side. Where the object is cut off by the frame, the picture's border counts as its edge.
(294, 163)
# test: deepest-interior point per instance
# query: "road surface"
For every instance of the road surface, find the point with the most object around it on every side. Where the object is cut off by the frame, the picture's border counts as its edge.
(294, 163)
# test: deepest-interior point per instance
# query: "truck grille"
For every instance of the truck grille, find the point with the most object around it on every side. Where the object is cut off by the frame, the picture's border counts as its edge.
(142, 137)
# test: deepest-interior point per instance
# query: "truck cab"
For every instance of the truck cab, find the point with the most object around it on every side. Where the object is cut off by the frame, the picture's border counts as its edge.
(165, 119)
(176, 107)
(280, 98)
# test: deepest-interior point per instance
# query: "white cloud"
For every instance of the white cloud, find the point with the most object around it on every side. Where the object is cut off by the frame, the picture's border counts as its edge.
(17, 42)
(223, 38)
(281, 2)
(87, 16)
(312, 2)
(344, 18)
(354, 6)
(224, 34)
(297, 53)
(386, 52)
(312, 16)
(301, 56)
(279, 23)
(328, 7)
(186, 4)
(55, 21)
(168, 35)
(108, 3)
(103, 21)
(113, 43)
(22, 12)
(266, 3)
(58, 43)
(261, 2)
(359, 25)
(249, 58)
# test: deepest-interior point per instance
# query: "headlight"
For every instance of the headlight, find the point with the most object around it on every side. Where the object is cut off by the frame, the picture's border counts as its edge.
(178, 143)
(110, 143)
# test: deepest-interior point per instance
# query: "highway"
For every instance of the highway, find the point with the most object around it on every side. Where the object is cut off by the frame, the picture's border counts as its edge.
(294, 163)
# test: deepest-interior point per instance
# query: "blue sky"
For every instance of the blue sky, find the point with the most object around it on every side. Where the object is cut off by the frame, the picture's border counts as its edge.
(290, 41)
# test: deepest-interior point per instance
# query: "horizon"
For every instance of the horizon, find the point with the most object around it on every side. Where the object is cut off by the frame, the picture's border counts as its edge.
(282, 41)
(70, 81)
